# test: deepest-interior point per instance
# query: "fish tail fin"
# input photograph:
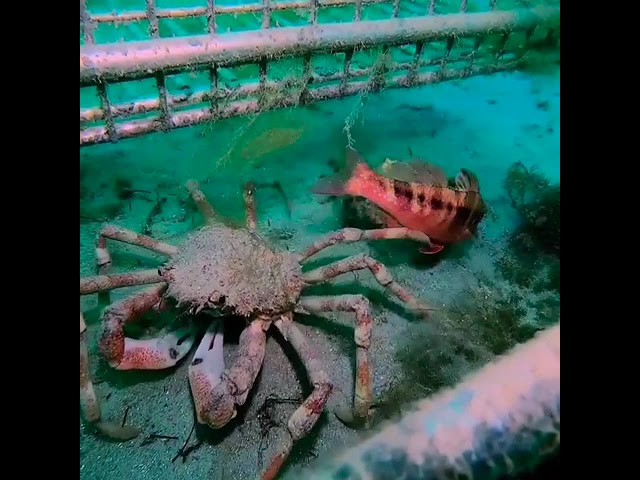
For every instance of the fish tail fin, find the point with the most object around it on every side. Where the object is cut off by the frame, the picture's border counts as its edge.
(467, 180)
(344, 182)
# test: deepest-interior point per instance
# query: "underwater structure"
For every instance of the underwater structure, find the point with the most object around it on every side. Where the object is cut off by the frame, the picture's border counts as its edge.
(158, 69)
(503, 419)
(314, 57)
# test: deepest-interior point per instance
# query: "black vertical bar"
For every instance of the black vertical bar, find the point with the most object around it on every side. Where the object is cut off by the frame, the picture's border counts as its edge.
(313, 12)
(165, 117)
(266, 13)
(211, 16)
(154, 29)
(105, 105)
(396, 8)
(86, 24)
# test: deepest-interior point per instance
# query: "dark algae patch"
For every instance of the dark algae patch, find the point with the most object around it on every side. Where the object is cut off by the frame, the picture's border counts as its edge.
(537, 202)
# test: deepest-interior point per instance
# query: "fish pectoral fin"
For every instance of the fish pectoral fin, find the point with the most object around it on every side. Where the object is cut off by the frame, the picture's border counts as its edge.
(467, 180)
(432, 249)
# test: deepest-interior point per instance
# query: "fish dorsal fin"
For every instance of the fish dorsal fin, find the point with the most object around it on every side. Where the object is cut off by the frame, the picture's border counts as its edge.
(467, 180)
(352, 158)
(414, 171)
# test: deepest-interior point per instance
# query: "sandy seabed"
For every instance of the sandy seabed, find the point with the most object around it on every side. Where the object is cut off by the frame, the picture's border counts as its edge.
(484, 124)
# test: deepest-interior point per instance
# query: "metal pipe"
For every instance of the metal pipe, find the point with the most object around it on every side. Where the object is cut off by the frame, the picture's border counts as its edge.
(192, 12)
(117, 62)
(139, 107)
(135, 128)
(504, 419)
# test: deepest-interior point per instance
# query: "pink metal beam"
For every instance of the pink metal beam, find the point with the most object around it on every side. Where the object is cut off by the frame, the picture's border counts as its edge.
(501, 420)
(190, 12)
(124, 61)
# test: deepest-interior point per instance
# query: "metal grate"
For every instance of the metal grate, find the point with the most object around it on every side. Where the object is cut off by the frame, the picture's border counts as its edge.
(409, 48)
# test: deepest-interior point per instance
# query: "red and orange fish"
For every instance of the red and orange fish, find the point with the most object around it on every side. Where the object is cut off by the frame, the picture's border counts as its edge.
(414, 195)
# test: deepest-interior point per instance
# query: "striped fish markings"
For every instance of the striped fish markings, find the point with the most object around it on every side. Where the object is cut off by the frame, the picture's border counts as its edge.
(414, 195)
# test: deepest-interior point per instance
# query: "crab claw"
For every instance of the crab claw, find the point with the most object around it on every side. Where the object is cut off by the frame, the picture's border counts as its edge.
(124, 353)
(156, 353)
(215, 405)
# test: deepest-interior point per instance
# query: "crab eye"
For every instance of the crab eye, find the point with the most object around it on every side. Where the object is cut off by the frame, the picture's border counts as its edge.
(220, 300)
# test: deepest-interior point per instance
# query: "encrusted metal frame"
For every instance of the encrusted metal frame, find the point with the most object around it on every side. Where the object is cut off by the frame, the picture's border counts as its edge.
(501, 421)
(458, 43)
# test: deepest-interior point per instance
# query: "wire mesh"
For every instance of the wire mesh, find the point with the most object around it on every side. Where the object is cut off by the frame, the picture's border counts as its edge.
(167, 80)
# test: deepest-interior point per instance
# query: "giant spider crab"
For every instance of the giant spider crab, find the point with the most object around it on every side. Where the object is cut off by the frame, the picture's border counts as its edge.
(228, 270)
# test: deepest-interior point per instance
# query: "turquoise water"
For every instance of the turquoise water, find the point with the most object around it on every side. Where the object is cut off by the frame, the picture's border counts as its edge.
(485, 124)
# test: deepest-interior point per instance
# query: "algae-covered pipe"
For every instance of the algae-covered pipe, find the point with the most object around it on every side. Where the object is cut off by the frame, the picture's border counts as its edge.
(503, 419)
(128, 60)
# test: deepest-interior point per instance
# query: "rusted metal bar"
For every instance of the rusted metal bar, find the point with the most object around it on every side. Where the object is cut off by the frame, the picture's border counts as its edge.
(127, 17)
(396, 8)
(86, 23)
(415, 65)
(188, 118)
(165, 115)
(450, 43)
(346, 70)
(313, 12)
(477, 43)
(307, 75)
(266, 13)
(502, 420)
(151, 15)
(211, 16)
(213, 92)
(358, 15)
(105, 108)
(149, 105)
(263, 91)
(116, 62)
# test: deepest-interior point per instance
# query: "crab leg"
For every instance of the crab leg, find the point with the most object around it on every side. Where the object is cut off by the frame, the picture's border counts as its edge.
(307, 415)
(358, 304)
(101, 283)
(350, 235)
(216, 396)
(132, 238)
(125, 236)
(89, 400)
(250, 205)
(380, 272)
(201, 201)
(125, 353)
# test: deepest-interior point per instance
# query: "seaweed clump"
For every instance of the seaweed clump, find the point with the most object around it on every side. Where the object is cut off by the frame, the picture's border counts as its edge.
(486, 319)
(538, 204)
